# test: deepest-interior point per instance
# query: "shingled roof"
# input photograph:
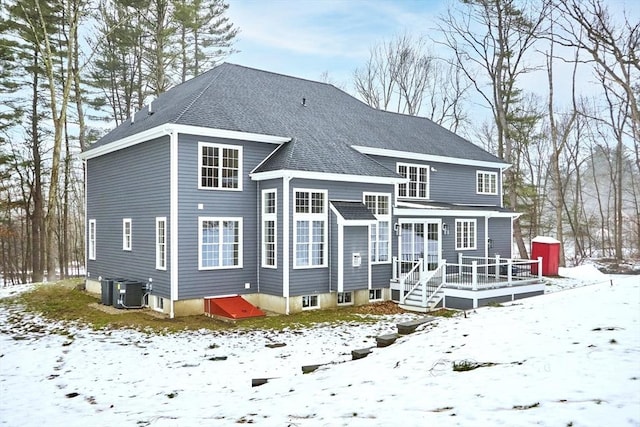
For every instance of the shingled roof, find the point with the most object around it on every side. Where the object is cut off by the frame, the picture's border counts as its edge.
(322, 121)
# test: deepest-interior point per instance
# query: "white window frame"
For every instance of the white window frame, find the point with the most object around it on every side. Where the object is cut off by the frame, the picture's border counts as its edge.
(220, 243)
(92, 239)
(161, 246)
(375, 245)
(158, 304)
(343, 294)
(127, 234)
(310, 217)
(220, 147)
(268, 217)
(311, 299)
(405, 187)
(489, 179)
(463, 228)
(374, 291)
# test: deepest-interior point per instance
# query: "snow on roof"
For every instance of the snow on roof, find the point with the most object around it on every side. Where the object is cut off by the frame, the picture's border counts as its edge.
(545, 239)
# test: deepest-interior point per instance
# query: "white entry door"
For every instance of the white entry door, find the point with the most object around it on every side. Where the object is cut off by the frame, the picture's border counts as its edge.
(420, 239)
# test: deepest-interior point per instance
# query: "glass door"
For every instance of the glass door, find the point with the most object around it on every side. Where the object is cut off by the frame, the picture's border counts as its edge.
(419, 240)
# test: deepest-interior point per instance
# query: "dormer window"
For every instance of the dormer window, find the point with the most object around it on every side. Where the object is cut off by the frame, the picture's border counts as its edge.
(418, 185)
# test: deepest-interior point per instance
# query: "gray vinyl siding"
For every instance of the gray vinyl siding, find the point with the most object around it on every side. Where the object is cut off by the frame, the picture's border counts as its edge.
(381, 273)
(333, 251)
(195, 283)
(449, 251)
(500, 234)
(356, 239)
(130, 183)
(270, 279)
(309, 281)
(450, 183)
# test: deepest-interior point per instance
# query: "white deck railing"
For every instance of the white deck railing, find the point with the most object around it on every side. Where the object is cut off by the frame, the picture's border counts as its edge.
(474, 273)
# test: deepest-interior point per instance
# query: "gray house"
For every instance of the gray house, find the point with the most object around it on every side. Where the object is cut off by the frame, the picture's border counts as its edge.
(295, 195)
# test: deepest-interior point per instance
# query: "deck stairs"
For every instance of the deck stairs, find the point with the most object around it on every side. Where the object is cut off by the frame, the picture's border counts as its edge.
(424, 289)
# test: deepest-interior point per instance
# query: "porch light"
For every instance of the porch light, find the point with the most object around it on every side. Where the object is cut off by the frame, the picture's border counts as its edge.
(396, 227)
(445, 228)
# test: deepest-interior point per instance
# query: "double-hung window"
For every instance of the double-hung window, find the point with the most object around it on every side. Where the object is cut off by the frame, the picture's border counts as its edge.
(220, 243)
(92, 239)
(418, 185)
(465, 234)
(310, 219)
(380, 232)
(486, 182)
(161, 243)
(269, 228)
(126, 234)
(220, 166)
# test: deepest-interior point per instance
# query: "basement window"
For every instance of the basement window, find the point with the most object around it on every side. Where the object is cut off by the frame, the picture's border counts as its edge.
(309, 302)
(159, 304)
(375, 294)
(345, 298)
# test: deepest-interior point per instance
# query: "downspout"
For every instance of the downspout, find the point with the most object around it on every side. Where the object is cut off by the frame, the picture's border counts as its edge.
(173, 219)
(285, 241)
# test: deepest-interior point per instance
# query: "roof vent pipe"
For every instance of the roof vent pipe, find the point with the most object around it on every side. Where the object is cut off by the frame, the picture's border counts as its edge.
(150, 111)
(304, 102)
(133, 115)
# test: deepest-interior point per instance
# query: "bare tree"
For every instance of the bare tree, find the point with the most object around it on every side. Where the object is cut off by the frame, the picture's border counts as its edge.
(401, 75)
(489, 40)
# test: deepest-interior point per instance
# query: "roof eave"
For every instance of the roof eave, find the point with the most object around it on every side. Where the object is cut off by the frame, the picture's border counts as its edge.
(324, 176)
(429, 157)
(169, 128)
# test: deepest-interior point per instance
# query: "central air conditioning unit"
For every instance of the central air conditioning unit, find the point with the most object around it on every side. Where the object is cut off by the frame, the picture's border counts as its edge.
(127, 294)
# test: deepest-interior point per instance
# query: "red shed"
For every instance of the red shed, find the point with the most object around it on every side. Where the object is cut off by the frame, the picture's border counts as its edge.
(549, 249)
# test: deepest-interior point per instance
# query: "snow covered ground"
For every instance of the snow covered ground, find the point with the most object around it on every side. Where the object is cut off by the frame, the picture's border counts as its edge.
(565, 358)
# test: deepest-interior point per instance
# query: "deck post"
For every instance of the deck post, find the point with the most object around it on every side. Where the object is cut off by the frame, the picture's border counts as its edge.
(509, 272)
(540, 268)
(444, 272)
(474, 275)
(394, 270)
(497, 268)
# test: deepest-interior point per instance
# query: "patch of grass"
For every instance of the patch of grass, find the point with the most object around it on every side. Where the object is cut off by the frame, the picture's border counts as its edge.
(62, 301)
(494, 304)
(443, 312)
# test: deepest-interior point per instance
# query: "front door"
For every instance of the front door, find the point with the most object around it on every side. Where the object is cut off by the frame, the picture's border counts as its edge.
(419, 239)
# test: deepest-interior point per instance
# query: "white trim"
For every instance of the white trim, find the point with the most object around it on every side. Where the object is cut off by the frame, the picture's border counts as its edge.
(388, 218)
(408, 180)
(173, 216)
(161, 262)
(165, 129)
(269, 217)
(340, 258)
(311, 218)
(125, 222)
(475, 234)
(428, 157)
(324, 176)
(92, 239)
(485, 175)
(430, 212)
(220, 243)
(286, 243)
(220, 148)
